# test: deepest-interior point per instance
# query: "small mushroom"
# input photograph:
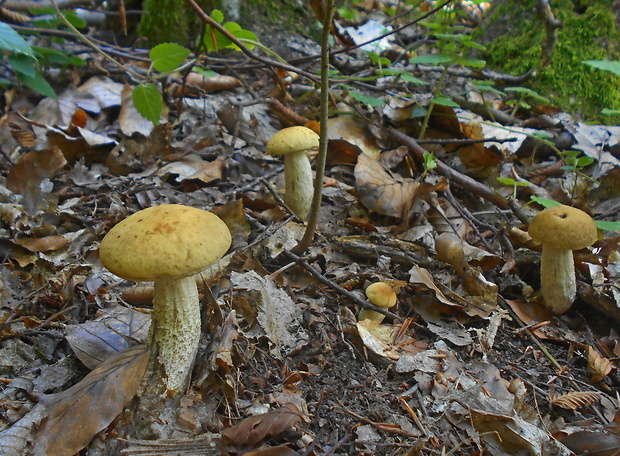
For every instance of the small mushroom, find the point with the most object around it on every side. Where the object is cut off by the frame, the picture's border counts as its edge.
(292, 143)
(560, 230)
(381, 295)
(168, 244)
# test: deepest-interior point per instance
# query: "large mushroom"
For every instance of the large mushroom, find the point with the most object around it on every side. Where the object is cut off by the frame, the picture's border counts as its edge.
(560, 230)
(168, 244)
(293, 143)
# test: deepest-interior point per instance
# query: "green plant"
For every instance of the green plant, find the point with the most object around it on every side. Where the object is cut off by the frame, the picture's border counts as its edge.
(521, 94)
(612, 66)
(26, 63)
(512, 183)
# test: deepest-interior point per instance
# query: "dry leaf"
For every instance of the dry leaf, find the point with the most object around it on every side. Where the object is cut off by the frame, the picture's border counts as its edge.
(130, 120)
(33, 167)
(194, 167)
(254, 429)
(382, 193)
(280, 450)
(44, 244)
(76, 415)
(599, 366)
(576, 400)
(592, 443)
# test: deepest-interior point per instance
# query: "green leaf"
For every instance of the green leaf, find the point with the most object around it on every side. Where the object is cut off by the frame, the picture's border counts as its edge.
(220, 40)
(205, 73)
(22, 64)
(445, 101)
(607, 226)
(247, 37)
(217, 16)
(408, 77)
(612, 66)
(527, 92)
(469, 62)
(12, 42)
(431, 59)
(610, 112)
(544, 202)
(148, 101)
(38, 83)
(430, 162)
(168, 56)
(367, 99)
(511, 182)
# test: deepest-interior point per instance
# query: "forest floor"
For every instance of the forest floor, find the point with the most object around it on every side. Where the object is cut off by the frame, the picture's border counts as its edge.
(468, 362)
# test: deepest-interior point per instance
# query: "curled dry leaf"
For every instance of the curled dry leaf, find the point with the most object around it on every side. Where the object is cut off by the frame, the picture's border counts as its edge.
(382, 193)
(573, 401)
(254, 429)
(215, 83)
(599, 366)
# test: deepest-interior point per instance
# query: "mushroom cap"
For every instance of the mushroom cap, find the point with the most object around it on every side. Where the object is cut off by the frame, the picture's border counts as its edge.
(381, 295)
(167, 241)
(563, 227)
(291, 140)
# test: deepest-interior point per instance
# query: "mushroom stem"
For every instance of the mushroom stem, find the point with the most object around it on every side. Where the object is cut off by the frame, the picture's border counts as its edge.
(175, 329)
(298, 183)
(557, 275)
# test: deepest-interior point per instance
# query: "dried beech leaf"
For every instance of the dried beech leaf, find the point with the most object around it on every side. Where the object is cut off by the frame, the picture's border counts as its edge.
(573, 401)
(254, 429)
(33, 167)
(382, 193)
(44, 244)
(194, 167)
(280, 450)
(600, 367)
(592, 443)
(76, 415)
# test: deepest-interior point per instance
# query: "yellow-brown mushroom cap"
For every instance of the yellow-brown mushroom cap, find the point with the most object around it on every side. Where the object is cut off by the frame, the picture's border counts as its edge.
(292, 140)
(381, 295)
(563, 227)
(167, 241)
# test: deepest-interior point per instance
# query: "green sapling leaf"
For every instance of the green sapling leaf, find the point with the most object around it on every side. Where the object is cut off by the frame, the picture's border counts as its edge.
(12, 42)
(168, 56)
(148, 101)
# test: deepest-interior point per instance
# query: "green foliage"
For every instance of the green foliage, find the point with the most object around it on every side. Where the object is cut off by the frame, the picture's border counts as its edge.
(25, 61)
(591, 34)
(605, 65)
(214, 41)
(167, 57)
(512, 183)
(430, 161)
(148, 101)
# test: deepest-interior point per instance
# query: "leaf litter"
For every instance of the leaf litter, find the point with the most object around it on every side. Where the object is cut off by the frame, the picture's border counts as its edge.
(468, 361)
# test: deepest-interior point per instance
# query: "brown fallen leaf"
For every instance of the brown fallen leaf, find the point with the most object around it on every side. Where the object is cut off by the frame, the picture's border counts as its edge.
(254, 429)
(215, 83)
(599, 367)
(76, 415)
(33, 167)
(380, 192)
(592, 443)
(44, 244)
(280, 450)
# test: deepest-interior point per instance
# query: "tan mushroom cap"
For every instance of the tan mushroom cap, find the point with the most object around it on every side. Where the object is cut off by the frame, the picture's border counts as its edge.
(167, 241)
(291, 140)
(381, 295)
(563, 227)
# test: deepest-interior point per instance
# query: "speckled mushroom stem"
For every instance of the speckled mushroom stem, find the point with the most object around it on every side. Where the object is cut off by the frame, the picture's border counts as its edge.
(175, 329)
(298, 183)
(557, 276)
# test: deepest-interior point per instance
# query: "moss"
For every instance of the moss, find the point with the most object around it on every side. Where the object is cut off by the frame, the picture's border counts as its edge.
(587, 33)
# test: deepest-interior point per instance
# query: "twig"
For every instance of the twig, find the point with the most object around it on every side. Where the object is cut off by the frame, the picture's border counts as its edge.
(206, 19)
(321, 158)
(461, 179)
(334, 286)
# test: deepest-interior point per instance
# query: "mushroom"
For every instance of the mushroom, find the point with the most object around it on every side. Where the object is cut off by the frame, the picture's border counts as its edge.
(560, 230)
(292, 143)
(381, 295)
(168, 244)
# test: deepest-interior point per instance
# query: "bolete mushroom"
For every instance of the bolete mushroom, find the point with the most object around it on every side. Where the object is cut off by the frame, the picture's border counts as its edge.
(168, 244)
(560, 230)
(381, 295)
(292, 143)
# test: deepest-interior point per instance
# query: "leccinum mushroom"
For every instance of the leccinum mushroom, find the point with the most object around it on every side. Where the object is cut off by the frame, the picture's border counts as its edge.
(560, 230)
(168, 244)
(292, 143)
(381, 295)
